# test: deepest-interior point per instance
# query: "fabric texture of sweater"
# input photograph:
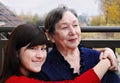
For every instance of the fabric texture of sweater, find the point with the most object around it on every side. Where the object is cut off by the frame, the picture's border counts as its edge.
(88, 77)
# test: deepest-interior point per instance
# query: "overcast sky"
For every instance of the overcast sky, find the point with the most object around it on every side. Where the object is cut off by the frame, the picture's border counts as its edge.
(89, 7)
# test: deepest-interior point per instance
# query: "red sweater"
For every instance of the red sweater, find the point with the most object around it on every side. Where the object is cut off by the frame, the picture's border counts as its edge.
(88, 77)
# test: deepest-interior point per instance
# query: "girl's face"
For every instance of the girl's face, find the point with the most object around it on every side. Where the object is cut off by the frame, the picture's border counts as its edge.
(32, 58)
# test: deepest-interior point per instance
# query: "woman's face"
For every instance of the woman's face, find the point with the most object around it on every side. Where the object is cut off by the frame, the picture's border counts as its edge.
(32, 58)
(67, 32)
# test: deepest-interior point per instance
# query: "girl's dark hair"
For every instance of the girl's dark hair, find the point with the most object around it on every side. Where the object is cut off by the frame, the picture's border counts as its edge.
(21, 36)
(54, 16)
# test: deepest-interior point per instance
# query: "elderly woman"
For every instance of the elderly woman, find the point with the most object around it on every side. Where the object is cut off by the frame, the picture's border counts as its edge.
(68, 58)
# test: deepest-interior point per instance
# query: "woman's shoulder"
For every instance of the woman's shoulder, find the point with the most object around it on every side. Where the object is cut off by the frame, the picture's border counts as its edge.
(86, 50)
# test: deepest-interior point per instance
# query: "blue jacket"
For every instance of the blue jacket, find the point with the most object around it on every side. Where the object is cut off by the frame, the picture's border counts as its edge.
(56, 68)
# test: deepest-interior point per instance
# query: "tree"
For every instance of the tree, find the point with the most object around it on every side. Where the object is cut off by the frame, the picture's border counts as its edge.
(35, 19)
(97, 20)
(111, 11)
(29, 19)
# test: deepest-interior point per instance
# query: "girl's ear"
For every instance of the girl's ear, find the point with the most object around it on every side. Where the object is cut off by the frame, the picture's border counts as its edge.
(17, 54)
(49, 36)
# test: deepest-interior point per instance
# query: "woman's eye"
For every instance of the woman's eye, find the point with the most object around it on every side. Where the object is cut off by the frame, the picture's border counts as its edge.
(75, 25)
(64, 27)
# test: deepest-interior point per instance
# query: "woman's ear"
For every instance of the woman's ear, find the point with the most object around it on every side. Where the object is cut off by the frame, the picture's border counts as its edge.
(46, 32)
(49, 36)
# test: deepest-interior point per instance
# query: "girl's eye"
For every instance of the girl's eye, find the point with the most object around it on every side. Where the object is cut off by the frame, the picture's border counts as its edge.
(44, 48)
(33, 48)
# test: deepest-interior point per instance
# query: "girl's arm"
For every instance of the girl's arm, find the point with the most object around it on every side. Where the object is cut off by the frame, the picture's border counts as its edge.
(91, 76)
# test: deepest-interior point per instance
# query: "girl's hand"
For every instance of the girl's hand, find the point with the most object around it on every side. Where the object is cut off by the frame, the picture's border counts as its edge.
(108, 53)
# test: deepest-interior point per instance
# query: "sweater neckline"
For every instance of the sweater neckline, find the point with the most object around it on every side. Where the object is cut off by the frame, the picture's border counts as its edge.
(67, 65)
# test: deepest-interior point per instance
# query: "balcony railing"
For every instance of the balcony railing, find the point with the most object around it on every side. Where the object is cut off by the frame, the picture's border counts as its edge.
(114, 43)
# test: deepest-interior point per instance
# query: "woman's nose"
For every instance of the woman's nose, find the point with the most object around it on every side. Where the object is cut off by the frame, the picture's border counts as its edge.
(72, 30)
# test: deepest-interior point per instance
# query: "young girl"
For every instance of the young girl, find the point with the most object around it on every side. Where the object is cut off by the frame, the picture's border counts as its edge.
(26, 51)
